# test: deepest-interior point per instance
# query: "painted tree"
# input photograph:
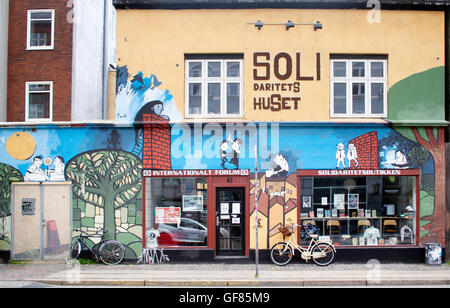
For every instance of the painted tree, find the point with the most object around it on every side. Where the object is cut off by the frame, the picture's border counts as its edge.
(8, 174)
(108, 179)
(433, 140)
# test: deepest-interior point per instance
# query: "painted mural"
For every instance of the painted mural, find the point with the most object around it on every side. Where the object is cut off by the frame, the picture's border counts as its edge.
(105, 162)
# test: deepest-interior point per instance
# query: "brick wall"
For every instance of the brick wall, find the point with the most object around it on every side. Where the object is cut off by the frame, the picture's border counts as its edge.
(157, 143)
(39, 65)
(367, 149)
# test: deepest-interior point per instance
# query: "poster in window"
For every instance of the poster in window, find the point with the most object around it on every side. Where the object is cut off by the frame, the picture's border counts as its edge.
(306, 201)
(339, 201)
(167, 215)
(353, 201)
(236, 208)
(192, 203)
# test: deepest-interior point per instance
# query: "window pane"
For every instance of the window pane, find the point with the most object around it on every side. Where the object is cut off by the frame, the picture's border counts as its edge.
(377, 101)
(233, 69)
(39, 106)
(41, 33)
(39, 87)
(233, 98)
(41, 15)
(358, 69)
(340, 69)
(376, 69)
(195, 98)
(165, 195)
(340, 98)
(213, 98)
(195, 69)
(358, 92)
(213, 69)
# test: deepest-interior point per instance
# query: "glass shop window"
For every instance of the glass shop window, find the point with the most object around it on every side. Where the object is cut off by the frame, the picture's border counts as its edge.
(176, 212)
(361, 211)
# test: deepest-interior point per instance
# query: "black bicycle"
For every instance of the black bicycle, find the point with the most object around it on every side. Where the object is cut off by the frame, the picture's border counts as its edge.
(111, 252)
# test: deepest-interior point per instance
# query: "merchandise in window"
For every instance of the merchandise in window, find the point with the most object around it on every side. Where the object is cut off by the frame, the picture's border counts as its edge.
(358, 87)
(361, 211)
(40, 29)
(176, 212)
(214, 88)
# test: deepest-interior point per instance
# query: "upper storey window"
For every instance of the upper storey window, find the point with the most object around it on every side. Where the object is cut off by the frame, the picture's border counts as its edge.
(358, 87)
(40, 29)
(214, 87)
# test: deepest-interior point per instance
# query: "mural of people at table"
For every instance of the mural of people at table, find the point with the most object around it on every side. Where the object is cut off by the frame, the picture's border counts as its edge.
(35, 172)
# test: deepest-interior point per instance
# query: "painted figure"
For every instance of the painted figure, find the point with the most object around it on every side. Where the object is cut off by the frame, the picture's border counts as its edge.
(340, 155)
(153, 107)
(57, 174)
(223, 153)
(400, 160)
(281, 168)
(352, 155)
(35, 172)
(236, 151)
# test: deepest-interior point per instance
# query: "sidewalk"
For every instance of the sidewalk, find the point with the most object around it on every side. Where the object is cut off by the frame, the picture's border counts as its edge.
(228, 275)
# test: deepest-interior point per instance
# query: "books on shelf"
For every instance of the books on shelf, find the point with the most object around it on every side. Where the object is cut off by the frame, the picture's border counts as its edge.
(320, 212)
(311, 214)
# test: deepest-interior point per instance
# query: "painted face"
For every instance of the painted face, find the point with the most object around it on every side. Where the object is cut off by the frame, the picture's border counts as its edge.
(340, 146)
(224, 146)
(157, 109)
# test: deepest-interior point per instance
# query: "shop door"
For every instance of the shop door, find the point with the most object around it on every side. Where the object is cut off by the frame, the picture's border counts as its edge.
(230, 221)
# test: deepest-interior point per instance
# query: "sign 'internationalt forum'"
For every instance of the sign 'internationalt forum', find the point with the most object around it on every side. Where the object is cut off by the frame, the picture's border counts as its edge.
(208, 172)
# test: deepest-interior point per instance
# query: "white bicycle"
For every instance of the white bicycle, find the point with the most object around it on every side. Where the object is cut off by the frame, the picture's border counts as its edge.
(321, 252)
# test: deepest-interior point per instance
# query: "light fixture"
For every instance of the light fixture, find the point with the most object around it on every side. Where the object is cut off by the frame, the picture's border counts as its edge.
(289, 24)
(259, 24)
(317, 25)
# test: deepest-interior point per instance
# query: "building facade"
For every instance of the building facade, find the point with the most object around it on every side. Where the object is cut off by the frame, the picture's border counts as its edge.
(52, 48)
(327, 114)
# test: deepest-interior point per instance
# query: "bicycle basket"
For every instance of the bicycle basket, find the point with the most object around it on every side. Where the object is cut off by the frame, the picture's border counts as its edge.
(286, 230)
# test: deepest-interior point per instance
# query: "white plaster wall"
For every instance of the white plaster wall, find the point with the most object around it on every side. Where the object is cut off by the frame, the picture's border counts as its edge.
(4, 17)
(87, 81)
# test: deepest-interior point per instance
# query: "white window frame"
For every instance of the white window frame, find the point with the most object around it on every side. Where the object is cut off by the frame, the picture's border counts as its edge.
(223, 80)
(52, 40)
(27, 100)
(367, 80)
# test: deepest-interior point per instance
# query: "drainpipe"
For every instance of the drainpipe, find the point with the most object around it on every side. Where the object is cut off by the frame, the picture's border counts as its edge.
(105, 61)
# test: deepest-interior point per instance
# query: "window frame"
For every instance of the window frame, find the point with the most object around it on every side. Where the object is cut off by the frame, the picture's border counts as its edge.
(367, 80)
(27, 100)
(204, 80)
(52, 39)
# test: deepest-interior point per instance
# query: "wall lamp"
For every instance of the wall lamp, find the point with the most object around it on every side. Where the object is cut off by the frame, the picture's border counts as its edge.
(289, 24)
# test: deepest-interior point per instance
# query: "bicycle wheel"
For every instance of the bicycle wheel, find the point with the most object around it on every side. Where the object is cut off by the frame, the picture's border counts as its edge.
(111, 252)
(322, 254)
(73, 253)
(281, 254)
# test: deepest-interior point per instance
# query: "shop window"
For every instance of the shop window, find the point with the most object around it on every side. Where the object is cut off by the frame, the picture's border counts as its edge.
(39, 98)
(214, 87)
(40, 29)
(176, 211)
(361, 211)
(358, 86)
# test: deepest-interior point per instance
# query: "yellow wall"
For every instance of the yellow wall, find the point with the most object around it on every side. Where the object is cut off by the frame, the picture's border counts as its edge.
(156, 41)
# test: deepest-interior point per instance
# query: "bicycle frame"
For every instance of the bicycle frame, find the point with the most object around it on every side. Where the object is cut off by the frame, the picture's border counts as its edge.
(82, 243)
(306, 252)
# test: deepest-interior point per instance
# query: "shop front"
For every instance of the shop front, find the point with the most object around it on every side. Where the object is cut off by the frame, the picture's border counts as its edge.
(202, 210)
